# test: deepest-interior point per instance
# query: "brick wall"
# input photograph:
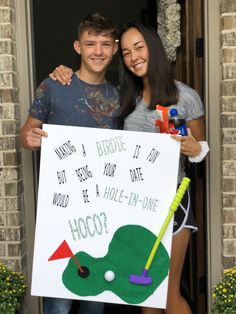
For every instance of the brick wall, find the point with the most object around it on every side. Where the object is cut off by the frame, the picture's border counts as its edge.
(12, 239)
(228, 123)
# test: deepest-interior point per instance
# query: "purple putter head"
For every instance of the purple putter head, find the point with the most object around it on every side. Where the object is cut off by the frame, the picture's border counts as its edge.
(142, 279)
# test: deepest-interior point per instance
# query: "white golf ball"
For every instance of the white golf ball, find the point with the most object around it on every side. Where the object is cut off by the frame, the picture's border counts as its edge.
(109, 275)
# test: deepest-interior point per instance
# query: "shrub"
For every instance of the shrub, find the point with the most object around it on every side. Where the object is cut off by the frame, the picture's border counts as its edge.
(12, 290)
(224, 294)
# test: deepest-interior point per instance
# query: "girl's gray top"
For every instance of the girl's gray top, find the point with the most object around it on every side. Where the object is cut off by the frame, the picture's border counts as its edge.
(189, 106)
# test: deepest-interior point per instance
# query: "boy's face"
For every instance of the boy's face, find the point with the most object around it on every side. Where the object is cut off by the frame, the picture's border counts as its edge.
(96, 51)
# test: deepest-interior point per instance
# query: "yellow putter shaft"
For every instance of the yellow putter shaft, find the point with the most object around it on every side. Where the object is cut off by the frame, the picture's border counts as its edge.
(173, 207)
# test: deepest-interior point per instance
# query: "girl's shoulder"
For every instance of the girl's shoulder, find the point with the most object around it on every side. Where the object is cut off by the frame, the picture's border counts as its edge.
(184, 88)
(187, 93)
(189, 102)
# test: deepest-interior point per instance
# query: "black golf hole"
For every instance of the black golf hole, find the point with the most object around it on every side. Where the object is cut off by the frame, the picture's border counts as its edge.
(85, 272)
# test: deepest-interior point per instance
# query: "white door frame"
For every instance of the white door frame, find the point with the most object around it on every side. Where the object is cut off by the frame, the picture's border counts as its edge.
(25, 71)
(214, 178)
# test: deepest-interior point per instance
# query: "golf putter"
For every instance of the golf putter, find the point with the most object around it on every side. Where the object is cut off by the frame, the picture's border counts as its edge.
(144, 279)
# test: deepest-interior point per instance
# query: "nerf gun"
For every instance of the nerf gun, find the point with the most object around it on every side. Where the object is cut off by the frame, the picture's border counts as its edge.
(170, 122)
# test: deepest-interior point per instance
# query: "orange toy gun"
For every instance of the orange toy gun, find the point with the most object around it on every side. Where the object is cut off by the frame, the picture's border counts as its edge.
(163, 121)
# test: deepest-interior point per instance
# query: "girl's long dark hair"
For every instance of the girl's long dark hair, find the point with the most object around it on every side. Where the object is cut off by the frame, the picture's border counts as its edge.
(163, 89)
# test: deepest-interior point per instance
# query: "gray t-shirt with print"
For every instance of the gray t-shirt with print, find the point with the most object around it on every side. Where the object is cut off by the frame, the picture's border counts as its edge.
(189, 106)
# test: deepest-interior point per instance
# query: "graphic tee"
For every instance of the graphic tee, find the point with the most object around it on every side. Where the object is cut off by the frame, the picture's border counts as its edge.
(77, 104)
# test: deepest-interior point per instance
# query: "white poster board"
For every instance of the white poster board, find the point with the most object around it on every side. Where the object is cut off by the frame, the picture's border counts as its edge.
(102, 200)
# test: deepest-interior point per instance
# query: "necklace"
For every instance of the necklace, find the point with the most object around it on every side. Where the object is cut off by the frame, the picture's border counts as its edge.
(85, 99)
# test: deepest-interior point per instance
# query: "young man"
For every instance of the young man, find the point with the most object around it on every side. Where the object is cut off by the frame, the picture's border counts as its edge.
(89, 101)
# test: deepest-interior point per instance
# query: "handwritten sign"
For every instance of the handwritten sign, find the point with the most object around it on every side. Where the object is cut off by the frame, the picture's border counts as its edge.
(102, 200)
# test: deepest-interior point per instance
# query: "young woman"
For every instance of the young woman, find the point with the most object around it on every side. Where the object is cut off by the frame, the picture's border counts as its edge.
(145, 81)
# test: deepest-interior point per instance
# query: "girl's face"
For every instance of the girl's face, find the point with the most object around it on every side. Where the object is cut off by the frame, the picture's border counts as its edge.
(135, 52)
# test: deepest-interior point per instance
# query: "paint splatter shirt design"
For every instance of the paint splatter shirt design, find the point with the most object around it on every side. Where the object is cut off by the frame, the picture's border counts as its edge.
(77, 104)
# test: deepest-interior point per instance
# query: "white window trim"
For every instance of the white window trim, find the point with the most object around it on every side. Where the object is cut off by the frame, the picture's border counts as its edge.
(213, 193)
(26, 80)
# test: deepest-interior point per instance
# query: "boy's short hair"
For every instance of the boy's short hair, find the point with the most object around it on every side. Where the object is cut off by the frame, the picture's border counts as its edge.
(97, 23)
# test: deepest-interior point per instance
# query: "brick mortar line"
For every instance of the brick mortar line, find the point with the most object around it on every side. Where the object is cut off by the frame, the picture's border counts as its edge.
(4, 7)
(13, 242)
(222, 31)
(10, 135)
(229, 239)
(15, 181)
(11, 181)
(7, 23)
(14, 227)
(10, 72)
(17, 258)
(223, 112)
(18, 196)
(10, 212)
(7, 55)
(12, 103)
(6, 39)
(225, 255)
(10, 88)
(224, 177)
(223, 80)
(229, 224)
(228, 14)
(10, 167)
(229, 160)
(229, 193)
(224, 63)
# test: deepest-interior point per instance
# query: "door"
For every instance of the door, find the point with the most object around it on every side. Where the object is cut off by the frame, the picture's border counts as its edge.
(55, 26)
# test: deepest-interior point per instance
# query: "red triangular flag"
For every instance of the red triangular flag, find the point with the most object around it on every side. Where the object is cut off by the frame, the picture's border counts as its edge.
(63, 251)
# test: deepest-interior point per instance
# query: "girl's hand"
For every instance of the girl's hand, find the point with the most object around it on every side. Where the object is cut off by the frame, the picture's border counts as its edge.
(189, 146)
(62, 74)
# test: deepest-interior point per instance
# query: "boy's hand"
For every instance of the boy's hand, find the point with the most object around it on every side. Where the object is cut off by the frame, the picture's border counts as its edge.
(34, 137)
